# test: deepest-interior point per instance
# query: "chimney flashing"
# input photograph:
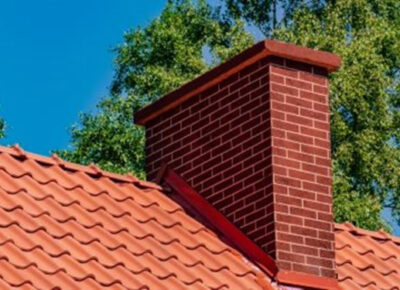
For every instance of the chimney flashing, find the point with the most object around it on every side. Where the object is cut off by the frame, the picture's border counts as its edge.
(237, 238)
(325, 60)
(256, 145)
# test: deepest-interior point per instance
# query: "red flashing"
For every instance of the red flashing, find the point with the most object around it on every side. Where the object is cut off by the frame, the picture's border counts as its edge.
(240, 240)
(329, 61)
(306, 280)
(214, 217)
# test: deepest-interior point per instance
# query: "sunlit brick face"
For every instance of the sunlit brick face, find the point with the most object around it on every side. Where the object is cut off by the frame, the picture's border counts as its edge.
(257, 147)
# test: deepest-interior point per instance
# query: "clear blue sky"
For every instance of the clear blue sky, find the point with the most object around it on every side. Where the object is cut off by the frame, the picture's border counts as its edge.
(56, 62)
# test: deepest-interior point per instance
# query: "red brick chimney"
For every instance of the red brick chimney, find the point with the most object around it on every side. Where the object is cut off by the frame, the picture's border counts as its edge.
(252, 137)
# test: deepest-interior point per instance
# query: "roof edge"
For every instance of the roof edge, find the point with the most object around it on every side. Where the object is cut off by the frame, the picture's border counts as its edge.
(92, 169)
(327, 60)
(378, 235)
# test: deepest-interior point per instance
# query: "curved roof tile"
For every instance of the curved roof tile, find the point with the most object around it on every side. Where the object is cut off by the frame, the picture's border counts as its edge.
(78, 227)
(367, 259)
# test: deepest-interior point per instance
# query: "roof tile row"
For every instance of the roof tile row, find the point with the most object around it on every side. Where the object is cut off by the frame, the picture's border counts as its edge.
(366, 259)
(74, 227)
(70, 226)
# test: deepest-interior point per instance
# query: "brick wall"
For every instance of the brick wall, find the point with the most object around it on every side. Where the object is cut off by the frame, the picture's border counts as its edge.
(256, 145)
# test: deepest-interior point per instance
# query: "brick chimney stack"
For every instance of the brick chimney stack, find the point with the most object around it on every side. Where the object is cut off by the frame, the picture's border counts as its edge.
(252, 137)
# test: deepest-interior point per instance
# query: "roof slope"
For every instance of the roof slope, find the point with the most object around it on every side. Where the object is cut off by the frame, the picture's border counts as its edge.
(367, 260)
(77, 227)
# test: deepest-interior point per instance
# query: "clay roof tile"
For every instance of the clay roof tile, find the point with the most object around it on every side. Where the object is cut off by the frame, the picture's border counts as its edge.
(79, 227)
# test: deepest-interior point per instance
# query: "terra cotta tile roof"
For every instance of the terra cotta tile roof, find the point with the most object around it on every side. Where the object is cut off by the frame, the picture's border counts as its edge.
(68, 226)
(366, 259)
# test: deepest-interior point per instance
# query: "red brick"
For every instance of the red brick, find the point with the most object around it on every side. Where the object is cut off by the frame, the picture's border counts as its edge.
(312, 132)
(298, 102)
(320, 89)
(315, 169)
(274, 96)
(288, 219)
(305, 250)
(324, 235)
(282, 143)
(323, 161)
(321, 107)
(313, 78)
(306, 269)
(318, 224)
(302, 194)
(324, 180)
(290, 238)
(302, 231)
(277, 78)
(280, 170)
(322, 144)
(239, 84)
(284, 89)
(283, 246)
(314, 151)
(296, 211)
(287, 181)
(313, 114)
(326, 263)
(284, 72)
(291, 257)
(286, 162)
(256, 146)
(300, 138)
(288, 200)
(327, 254)
(314, 97)
(285, 108)
(278, 115)
(301, 156)
(301, 175)
(324, 198)
(321, 125)
(316, 187)
(328, 273)
(298, 84)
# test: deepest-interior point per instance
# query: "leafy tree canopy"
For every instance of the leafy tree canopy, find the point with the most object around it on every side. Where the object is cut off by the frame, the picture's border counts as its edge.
(183, 42)
(267, 15)
(365, 101)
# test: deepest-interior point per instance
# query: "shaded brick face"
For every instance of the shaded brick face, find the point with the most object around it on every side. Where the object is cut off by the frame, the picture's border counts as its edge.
(257, 147)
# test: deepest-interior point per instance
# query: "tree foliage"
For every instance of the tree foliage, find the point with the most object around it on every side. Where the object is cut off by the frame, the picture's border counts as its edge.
(184, 41)
(365, 101)
(267, 15)
(2, 128)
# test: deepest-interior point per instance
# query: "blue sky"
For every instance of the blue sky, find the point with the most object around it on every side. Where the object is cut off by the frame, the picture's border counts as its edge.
(56, 62)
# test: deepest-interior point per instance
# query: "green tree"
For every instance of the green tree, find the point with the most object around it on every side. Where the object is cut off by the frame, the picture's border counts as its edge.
(267, 15)
(184, 41)
(365, 101)
(2, 128)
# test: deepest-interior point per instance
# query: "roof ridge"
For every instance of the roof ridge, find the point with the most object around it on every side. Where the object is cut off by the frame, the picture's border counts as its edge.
(378, 235)
(91, 169)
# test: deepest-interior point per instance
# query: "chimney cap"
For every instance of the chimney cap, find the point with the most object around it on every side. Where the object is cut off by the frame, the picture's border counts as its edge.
(330, 61)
